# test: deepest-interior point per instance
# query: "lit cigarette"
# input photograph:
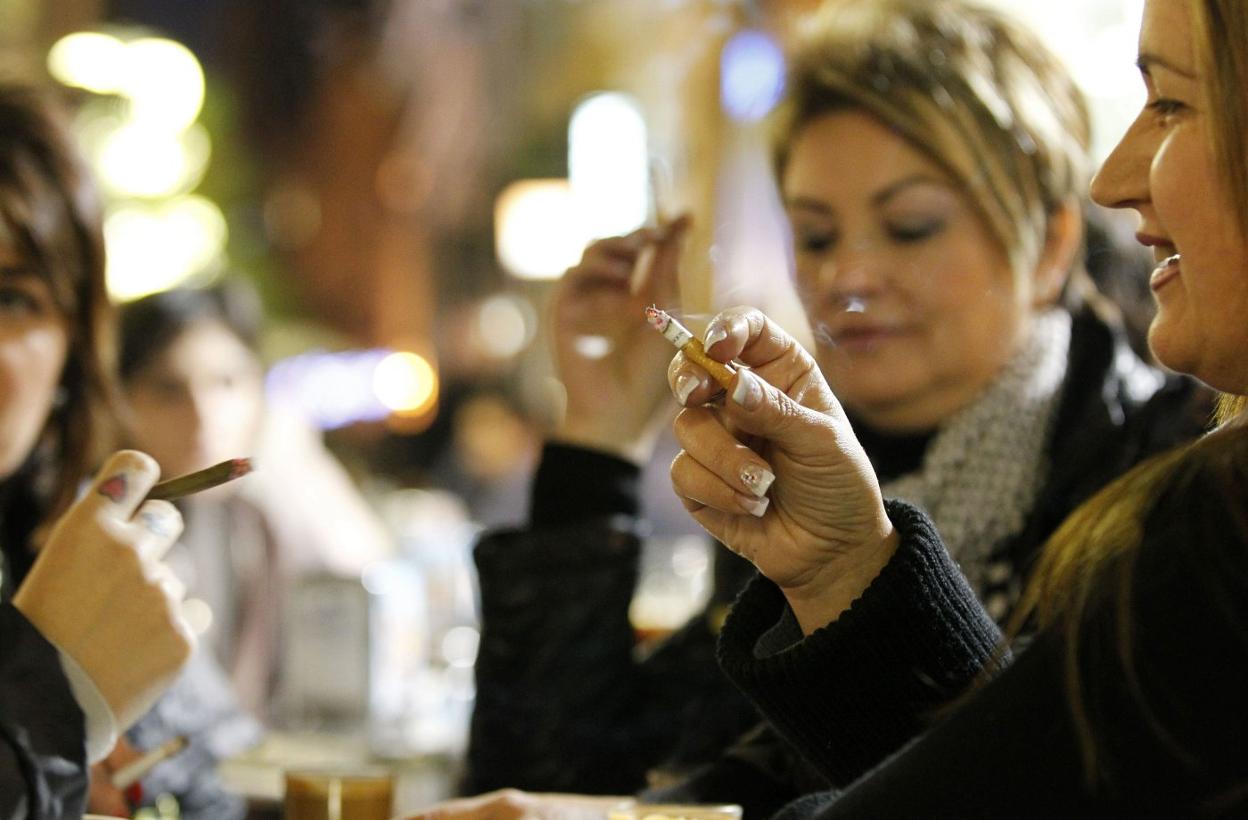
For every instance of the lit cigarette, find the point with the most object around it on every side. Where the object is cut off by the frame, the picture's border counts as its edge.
(131, 773)
(202, 479)
(690, 345)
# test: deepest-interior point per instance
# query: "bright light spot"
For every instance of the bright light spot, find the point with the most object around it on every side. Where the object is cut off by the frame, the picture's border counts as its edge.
(138, 161)
(459, 646)
(592, 347)
(607, 164)
(751, 75)
(164, 82)
(89, 60)
(504, 323)
(198, 615)
(329, 389)
(156, 248)
(405, 383)
(537, 232)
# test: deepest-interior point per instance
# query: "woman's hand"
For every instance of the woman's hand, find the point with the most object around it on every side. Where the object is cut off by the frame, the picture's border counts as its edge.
(104, 797)
(775, 472)
(99, 591)
(510, 804)
(609, 360)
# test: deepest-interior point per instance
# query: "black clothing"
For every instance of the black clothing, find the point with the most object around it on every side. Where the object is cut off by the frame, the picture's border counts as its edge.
(563, 703)
(43, 752)
(1173, 733)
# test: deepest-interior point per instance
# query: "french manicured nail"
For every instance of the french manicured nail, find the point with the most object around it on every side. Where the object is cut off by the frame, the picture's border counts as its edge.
(748, 391)
(757, 479)
(754, 506)
(686, 383)
(714, 333)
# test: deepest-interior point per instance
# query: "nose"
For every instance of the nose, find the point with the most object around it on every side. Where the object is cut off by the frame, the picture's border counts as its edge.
(1122, 181)
(854, 271)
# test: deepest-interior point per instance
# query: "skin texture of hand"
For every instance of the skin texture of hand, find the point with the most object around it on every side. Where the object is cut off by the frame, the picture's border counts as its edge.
(510, 804)
(104, 797)
(818, 529)
(616, 399)
(99, 591)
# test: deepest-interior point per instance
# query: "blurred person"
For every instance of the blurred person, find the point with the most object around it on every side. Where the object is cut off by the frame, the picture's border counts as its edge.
(91, 631)
(936, 233)
(193, 382)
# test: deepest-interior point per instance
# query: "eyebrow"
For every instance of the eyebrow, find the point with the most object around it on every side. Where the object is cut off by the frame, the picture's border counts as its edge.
(877, 199)
(1146, 62)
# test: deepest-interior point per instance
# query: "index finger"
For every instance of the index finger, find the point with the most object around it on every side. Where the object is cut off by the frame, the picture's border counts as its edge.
(122, 483)
(748, 335)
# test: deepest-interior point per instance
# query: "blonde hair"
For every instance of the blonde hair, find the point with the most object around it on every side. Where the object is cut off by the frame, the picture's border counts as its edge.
(975, 91)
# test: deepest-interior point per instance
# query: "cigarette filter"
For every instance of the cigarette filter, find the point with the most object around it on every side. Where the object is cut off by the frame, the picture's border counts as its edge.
(690, 345)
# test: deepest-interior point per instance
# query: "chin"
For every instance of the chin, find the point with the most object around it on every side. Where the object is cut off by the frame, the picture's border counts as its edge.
(1167, 344)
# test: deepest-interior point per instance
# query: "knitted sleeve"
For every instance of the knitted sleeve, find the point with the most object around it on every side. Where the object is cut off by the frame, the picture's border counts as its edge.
(856, 690)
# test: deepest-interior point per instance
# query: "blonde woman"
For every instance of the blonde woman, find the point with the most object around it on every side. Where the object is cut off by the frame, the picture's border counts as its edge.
(932, 159)
(1129, 701)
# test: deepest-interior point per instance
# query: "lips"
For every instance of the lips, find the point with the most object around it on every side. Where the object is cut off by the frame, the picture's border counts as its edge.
(863, 336)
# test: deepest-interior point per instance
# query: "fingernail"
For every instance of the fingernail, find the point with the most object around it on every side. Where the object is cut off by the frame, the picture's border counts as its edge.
(114, 488)
(757, 478)
(754, 506)
(686, 383)
(714, 333)
(748, 391)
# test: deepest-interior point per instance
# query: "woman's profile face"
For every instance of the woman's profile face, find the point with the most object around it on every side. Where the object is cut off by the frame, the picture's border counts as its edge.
(34, 344)
(199, 401)
(1165, 170)
(913, 303)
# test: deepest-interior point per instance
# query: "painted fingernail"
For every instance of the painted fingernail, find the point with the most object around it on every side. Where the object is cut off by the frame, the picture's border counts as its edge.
(748, 391)
(715, 333)
(757, 478)
(686, 383)
(754, 506)
(156, 523)
(114, 488)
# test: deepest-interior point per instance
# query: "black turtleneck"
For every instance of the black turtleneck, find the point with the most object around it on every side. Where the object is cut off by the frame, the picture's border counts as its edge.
(892, 454)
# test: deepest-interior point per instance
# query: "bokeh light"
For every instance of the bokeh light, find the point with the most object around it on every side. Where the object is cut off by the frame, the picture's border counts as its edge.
(536, 228)
(751, 75)
(405, 383)
(608, 164)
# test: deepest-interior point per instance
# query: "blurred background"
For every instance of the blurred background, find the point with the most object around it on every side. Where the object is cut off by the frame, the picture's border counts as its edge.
(401, 181)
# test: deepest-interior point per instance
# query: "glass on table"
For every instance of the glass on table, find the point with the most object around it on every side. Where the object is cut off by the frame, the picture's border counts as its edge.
(339, 795)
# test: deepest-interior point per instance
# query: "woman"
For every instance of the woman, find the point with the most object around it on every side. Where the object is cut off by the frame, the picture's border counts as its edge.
(90, 627)
(1129, 701)
(193, 384)
(934, 235)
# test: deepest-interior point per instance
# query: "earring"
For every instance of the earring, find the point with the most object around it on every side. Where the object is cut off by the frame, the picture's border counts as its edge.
(60, 398)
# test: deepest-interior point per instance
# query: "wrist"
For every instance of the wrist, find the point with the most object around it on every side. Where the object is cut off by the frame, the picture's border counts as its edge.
(833, 590)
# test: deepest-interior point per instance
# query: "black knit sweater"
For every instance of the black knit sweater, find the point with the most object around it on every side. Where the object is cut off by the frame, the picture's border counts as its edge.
(1174, 735)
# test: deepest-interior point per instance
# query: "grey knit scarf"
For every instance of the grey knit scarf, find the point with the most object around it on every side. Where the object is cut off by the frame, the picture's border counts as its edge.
(985, 466)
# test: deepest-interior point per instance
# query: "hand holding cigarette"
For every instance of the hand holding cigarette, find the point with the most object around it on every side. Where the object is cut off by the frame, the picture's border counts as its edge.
(99, 582)
(607, 359)
(775, 472)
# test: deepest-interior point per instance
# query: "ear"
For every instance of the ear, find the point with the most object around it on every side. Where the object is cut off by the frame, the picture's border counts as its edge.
(1063, 242)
